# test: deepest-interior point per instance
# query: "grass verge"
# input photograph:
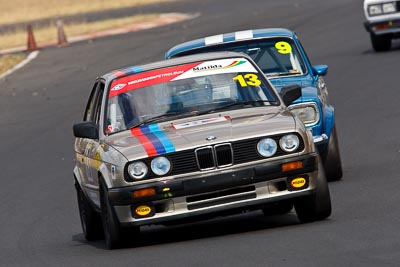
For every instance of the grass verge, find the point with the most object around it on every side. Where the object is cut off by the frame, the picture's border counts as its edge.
(9, 61)
(49, 33)
(17, 11)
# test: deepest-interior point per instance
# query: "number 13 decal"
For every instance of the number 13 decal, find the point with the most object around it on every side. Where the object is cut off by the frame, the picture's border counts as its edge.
(247, 79)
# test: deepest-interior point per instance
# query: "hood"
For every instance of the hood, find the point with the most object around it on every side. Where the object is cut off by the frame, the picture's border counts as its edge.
(193, 132)
(309, 92)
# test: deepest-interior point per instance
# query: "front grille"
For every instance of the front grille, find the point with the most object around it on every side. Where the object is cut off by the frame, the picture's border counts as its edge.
(216, 156)
(205, 158)
(224, 155)
(212, 157)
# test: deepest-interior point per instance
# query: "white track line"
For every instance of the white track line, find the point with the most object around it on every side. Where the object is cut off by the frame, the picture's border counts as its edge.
(30, 57)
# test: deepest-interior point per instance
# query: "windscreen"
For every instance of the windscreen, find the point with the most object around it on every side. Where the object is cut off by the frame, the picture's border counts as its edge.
(185, 90)
(275, 56)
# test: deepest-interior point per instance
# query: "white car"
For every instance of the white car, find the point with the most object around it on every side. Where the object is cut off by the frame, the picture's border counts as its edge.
(383, 22)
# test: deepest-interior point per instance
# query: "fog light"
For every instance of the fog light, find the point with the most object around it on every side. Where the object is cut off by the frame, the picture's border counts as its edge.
(295, 165)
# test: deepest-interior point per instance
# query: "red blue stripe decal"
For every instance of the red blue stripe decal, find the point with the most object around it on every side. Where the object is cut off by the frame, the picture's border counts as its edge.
(146, 143)
(153, 140)
(166, 142)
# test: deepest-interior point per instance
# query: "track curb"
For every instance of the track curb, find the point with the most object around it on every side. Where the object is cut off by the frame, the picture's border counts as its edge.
(164, 19)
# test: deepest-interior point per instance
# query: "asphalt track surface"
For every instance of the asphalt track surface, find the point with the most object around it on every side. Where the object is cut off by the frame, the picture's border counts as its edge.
(39, 220)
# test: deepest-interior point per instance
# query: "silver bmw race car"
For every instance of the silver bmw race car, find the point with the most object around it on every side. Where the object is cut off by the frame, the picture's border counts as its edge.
(189, 138)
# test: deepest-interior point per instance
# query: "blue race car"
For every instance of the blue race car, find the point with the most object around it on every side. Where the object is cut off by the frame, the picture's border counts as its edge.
(280, 55)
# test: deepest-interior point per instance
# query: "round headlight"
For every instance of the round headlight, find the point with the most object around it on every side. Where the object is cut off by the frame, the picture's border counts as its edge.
(137, 170)
(307, 113)
(160, 165)
(267, 147)
(289, 142)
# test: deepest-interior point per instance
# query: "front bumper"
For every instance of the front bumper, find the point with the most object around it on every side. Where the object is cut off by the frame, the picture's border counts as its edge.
(388, 26)
(320, 139)
(239, 188)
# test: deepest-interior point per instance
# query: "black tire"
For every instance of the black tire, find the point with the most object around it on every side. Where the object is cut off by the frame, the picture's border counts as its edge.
(382, 42)
(92, 225)
(112, 229)
(115, 235)
(332, 162)
(317, 206)
(277, 208)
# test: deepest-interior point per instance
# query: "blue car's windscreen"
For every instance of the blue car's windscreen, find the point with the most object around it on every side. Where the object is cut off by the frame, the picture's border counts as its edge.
(275, 56)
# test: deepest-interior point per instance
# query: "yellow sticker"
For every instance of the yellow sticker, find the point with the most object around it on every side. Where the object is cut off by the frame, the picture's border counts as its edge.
(248, 79)
(143, 210)
(283, 47)
(298, 182)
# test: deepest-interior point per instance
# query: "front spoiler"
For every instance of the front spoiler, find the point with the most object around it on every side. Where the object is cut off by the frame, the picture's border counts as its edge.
(207, 194)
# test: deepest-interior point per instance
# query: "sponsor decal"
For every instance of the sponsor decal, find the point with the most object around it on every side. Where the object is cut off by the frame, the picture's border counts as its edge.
(153, 140)
(298, 182)
(113, 172)
(143, 210)
(199, 122)
(217, 66)
(149, 78)
(118, 87)
(198, 69)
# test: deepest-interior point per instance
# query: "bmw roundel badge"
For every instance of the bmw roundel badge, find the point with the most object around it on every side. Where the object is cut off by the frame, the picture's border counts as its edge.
(211, 138)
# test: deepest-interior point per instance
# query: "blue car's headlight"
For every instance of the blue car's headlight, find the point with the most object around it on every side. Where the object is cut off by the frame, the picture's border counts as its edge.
(267, 147)
(308, 112)
(160, 165)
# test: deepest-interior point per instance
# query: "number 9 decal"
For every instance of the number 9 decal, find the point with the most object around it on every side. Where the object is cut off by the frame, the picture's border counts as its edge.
(283, 47)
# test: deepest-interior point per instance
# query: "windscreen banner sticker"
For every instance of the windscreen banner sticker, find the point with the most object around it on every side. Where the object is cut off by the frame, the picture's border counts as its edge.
(198, 122)
(148, 78)
(231, 65)
(198, 69)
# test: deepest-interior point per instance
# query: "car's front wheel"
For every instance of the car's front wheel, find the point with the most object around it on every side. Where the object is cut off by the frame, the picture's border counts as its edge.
(381, 42)
(112, 229)
(114, 234)
(90, 219)
(331, 161)
(317, 206)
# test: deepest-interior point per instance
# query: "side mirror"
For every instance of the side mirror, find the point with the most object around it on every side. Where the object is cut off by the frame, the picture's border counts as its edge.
(319, 70)
(86, 129)
(290, 93)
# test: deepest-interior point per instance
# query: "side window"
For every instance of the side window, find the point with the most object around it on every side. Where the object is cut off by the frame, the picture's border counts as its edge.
(99, 99)
(91, 104)
(93, 108)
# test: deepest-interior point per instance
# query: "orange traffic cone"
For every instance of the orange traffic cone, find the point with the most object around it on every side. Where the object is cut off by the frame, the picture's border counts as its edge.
(62, 38)
(31, 40)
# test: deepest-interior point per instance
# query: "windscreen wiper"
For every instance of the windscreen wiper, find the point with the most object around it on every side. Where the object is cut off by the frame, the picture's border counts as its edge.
(274, 74)
(235, 104)
(158, 118)
(163, 117)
